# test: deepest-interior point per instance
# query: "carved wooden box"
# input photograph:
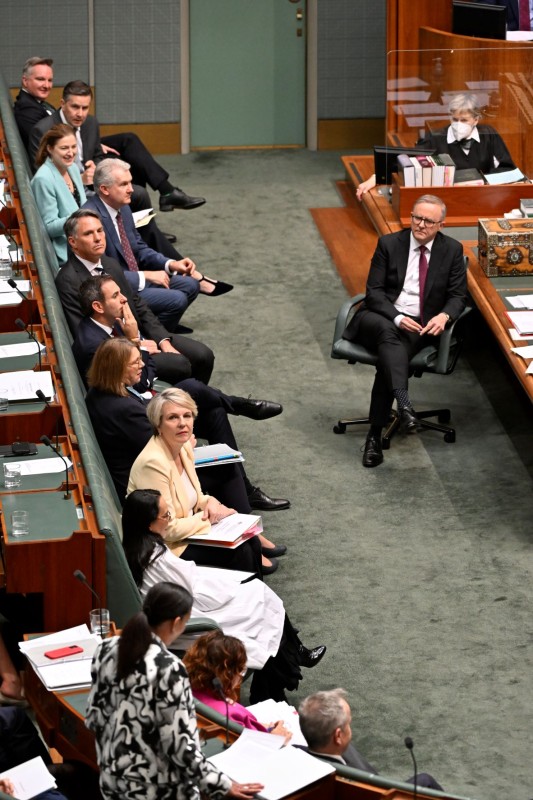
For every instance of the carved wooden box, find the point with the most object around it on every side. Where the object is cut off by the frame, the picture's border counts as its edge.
(506, 247)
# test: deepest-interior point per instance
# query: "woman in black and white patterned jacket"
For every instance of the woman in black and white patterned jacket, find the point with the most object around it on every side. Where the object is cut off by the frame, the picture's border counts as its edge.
(141, 710)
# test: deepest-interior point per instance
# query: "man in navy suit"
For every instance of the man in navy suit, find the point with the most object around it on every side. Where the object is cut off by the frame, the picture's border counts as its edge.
(166, 285)
(416, 286)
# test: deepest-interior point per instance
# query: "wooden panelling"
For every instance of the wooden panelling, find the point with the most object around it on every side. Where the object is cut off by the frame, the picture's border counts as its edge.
(350, 134)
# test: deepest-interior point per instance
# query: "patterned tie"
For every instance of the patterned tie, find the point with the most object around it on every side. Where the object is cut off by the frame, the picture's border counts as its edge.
(126, 246)
(79, 151)
(524, 15)
(422, 275)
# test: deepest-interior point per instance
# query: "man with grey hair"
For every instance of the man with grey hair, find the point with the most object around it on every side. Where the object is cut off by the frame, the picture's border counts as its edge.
(167, 285)
(325, 720)
(416, 286)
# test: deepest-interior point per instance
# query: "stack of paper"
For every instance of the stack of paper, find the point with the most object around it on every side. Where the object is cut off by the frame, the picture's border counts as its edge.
(30, 779)
(260, 758)
(215, 454)
(270, 711)
(521, 301)
(230, 532)
(24, 384)
(72, 672)
(522, 320)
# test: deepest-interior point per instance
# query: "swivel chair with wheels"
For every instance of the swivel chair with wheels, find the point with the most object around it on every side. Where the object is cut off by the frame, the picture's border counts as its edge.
(439, 358)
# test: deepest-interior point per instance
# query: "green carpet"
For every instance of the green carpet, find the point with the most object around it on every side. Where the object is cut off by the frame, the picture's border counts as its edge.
(417, 575)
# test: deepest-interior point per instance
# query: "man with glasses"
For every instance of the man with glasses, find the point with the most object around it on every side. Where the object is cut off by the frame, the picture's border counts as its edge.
(416, 286)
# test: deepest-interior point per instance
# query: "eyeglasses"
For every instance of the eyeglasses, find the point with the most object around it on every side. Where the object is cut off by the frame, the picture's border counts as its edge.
(167, 515)
(429, 223)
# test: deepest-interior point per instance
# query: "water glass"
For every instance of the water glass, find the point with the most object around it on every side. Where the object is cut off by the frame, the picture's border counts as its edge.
(20, 523)
(4, 404)
(6, 270)
(12, 477)
(100, 621)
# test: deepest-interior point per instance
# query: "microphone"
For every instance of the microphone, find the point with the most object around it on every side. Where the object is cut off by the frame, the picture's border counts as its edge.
(23, 327)
(45, 440)
(24, 296)
(42, 397)
(78, 574)
(217, 686)
(410, 746)
(9, 235)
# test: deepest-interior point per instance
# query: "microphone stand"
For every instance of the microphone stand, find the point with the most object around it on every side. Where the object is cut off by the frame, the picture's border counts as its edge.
(25, 297)
(45, 440)
(42, 397)
(20, 324)
(217, 686)
(78, 574)
(410, 746)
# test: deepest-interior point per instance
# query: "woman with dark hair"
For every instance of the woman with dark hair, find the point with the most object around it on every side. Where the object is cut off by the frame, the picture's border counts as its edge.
(217, 657)
(250, 610)
(142, 713)
(57, 185)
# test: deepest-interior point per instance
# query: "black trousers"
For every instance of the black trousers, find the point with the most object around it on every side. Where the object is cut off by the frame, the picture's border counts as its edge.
(395, 347)
(246, 557)
(196, 360)
(281, 671)
(144, 167)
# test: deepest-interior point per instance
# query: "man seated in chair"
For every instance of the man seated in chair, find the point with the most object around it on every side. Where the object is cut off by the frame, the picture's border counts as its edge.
(325, 720)
(416, 286)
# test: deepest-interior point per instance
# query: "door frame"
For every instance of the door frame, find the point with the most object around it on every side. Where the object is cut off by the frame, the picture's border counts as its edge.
(311, 71)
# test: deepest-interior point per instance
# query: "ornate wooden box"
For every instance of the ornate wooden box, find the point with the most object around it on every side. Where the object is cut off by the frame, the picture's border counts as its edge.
(506, 247)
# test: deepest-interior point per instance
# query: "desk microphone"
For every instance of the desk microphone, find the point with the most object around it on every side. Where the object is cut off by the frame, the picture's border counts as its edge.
(42, 397)
(45, 440)
(24, 327)
(410, 746)
(7, 233)
(13, 284)
(78, 574)
(219, 689)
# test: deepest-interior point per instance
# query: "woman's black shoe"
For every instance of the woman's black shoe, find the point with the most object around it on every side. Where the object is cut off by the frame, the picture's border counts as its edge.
(310, 658)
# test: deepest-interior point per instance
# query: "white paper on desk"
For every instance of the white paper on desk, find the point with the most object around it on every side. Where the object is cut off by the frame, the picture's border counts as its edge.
(515, 336)
(24, 286)
(281, 771)
(421, 108)
(78, 632)
(10, 299)
(408, 94)
(24, 384)
(65, 674)
(509, 176)
(405, 83)
(270, 711)
(22, 349)
(529, 370)
(525, 352)
(519, 36)
(30, 778)
(44, 466)
(521, 301)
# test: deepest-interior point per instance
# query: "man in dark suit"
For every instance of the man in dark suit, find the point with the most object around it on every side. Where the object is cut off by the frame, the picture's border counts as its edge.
(106, 315)
(513, 15)
(175, 358)
(416, 286)
(325, 720)
(31, 106)
(167, 285)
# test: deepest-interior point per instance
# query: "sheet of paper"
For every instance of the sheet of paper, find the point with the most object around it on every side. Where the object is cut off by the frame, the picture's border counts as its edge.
(231, 528)
(521, 301)
(24, 286)
(519, 36)
(509, 176)
(523, 321)
(213, 454)
(61, 637)
(405, 83)
(525, 352)
(270, 711)
(75, 673)
(281, 771)
(44, 466)
(22, 385)
(529, 370)
(22, 349)
(515, 336)
(30, 778)
(10, 299)
(408, 94)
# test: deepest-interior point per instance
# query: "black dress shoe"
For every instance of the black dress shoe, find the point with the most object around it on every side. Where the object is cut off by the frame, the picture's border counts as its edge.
(255, 409)
(170, 237)
(178, 199)
(274, 552)
(408, 420)
(219, 287)
(262, 502)
(310, 658)
(271, 569)
(373, 453)
(182, 329)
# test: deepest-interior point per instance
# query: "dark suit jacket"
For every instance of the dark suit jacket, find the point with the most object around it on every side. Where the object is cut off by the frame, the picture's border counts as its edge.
(28, 111)
(89, 337)
(90, 137)
(73, 274)
(445, 288)
(146, 257)
(482, 153)
(513, 17)
(351, 756)
(122, 430)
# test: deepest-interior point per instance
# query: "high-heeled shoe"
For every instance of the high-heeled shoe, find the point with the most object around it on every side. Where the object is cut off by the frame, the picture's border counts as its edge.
(270, 569)
(274, 552)
(310, 658)
(220, 287)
